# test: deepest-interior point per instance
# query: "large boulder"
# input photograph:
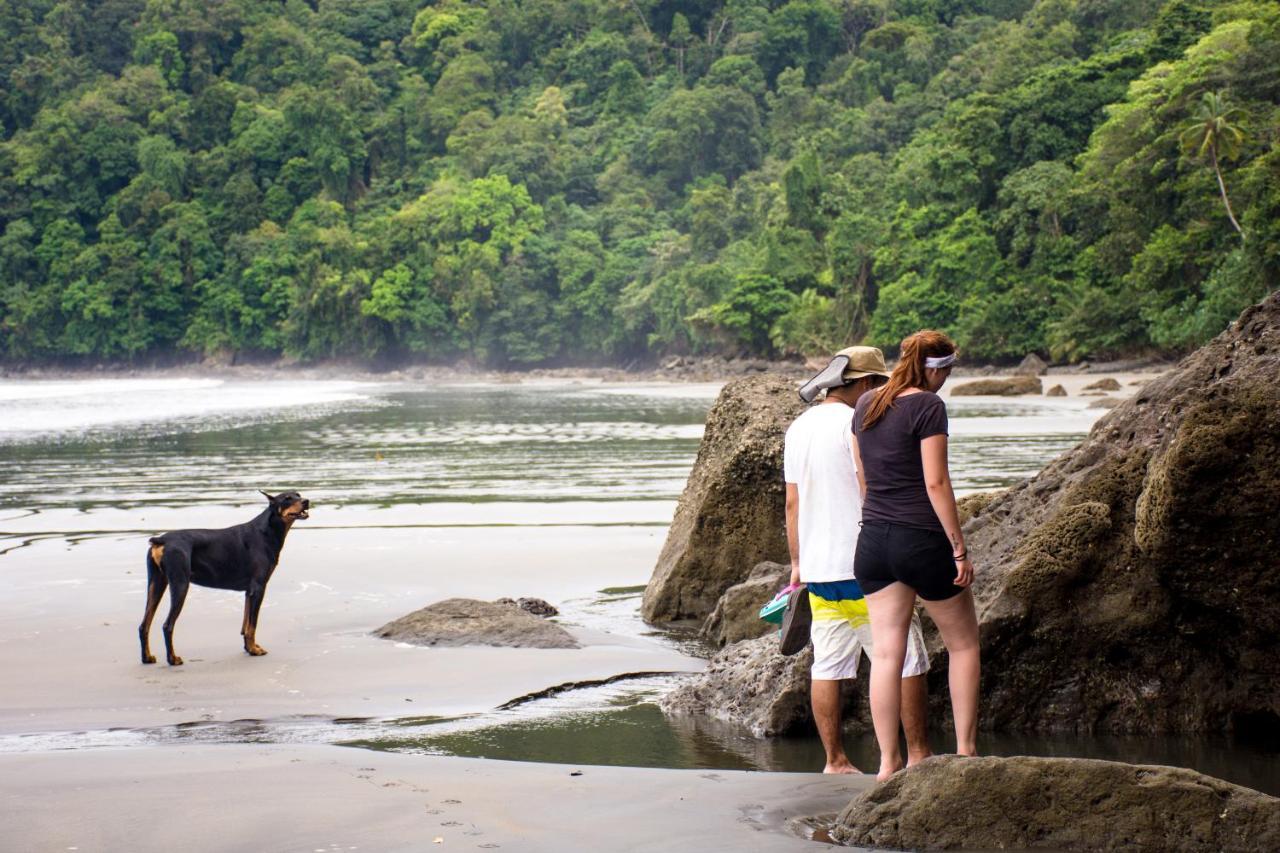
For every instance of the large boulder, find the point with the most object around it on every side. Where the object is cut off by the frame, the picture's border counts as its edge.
(1058, 804)
(737, 614)
(752, 684)
(731, 514)
(468, 622)
(1011, 386)
(1134, 584)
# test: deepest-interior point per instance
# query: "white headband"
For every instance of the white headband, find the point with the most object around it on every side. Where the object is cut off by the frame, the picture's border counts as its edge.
(940, 361)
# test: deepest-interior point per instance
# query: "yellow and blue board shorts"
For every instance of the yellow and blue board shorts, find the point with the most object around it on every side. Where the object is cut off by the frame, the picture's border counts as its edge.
(841, 631)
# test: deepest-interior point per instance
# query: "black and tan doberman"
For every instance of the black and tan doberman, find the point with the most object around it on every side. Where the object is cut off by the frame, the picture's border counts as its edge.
(240, 558)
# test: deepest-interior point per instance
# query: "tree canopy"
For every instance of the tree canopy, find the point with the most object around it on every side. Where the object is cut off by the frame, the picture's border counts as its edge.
(539, 181)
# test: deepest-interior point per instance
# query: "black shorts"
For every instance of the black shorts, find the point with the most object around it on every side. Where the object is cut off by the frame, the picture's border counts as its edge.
(892, 553)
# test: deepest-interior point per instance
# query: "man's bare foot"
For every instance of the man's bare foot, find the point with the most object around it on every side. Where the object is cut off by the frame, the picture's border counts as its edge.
(840, 767)
(914, 758)
(887, 770)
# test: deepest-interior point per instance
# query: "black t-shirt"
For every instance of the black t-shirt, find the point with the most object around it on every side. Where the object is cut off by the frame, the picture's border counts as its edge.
(890, 453)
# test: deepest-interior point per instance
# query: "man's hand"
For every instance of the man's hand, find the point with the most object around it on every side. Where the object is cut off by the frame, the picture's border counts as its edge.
(795, 574)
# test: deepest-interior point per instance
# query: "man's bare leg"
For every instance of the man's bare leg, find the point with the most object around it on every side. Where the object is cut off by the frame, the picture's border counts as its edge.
(915, 699)
(825, 696)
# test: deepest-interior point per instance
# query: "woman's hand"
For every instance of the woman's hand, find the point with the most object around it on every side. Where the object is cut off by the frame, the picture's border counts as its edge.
(964, 571)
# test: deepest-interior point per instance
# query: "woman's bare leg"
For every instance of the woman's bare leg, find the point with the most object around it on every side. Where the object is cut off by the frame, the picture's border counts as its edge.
(957, 621)
(890, 611)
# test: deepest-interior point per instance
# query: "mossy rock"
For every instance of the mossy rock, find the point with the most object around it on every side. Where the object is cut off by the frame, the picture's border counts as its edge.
(1030, 803)
(1133, 586)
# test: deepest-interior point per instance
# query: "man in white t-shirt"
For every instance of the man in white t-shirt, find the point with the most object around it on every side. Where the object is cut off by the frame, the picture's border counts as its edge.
(824, 508)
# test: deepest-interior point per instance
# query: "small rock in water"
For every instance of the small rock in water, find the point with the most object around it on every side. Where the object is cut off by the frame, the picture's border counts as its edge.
(1107, 384)
(1105, 403)
(1056, 391)
(1012, 386)
(464, 622)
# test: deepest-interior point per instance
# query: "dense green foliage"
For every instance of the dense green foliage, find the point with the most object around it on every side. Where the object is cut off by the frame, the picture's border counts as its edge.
(533, 181)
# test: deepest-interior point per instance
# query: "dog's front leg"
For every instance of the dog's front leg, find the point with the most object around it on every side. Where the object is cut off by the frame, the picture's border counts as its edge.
(252, 603)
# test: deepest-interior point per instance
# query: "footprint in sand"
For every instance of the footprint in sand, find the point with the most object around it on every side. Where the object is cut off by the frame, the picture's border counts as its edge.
(452, 802)
(451, 823)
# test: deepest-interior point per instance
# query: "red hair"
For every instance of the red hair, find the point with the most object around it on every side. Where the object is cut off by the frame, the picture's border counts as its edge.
(909, 371)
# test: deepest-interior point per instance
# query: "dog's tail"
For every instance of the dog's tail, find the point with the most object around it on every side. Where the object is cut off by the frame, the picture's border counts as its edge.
(155, 554)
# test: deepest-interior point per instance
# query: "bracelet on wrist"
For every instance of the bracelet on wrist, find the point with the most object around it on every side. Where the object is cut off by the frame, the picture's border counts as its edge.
(961, 556)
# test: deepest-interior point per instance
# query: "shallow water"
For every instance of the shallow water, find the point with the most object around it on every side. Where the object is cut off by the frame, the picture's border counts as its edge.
(135, 443)
(634, 732)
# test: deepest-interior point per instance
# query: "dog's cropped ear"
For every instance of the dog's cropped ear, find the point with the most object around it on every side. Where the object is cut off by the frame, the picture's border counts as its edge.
(269, 497)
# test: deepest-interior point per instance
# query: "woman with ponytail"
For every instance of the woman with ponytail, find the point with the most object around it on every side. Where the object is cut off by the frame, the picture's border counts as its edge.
(911, 543)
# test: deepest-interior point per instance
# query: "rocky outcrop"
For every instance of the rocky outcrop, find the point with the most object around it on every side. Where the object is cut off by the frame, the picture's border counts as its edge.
(1058, 804)
(737, 614)
(752, 684)
(1104, 403)
(467, 622)
(1056, 391)
(1134, 584)
(1012, 386)
(730, 516)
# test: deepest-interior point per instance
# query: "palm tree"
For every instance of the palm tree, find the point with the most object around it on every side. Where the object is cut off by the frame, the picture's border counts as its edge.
(1214, 131)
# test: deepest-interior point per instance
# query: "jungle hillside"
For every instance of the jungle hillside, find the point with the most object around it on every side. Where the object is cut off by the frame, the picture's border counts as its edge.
(540, 182)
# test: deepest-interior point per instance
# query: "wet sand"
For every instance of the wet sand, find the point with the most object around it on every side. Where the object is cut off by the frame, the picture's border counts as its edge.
(328, 798)
(69, 644)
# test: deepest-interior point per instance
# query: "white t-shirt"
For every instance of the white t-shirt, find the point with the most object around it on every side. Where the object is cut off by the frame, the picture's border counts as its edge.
(818, 458)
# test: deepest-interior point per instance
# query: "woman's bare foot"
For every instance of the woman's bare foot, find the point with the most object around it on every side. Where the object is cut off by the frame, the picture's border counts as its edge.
(840, 767)
(887, 770)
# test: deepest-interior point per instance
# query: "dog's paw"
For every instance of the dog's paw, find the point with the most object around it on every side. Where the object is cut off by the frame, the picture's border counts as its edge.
(256, 650)
(175, 661)
(149, 659)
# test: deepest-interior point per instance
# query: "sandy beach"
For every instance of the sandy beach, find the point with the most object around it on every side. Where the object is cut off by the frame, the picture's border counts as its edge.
(327, 798)
(69, 647)
(68, 651)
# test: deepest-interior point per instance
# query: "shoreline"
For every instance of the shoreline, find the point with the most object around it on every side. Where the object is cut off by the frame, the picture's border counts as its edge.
(675, 369)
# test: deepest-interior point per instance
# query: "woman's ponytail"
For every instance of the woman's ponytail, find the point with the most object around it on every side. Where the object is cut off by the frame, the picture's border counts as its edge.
(909, 371)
